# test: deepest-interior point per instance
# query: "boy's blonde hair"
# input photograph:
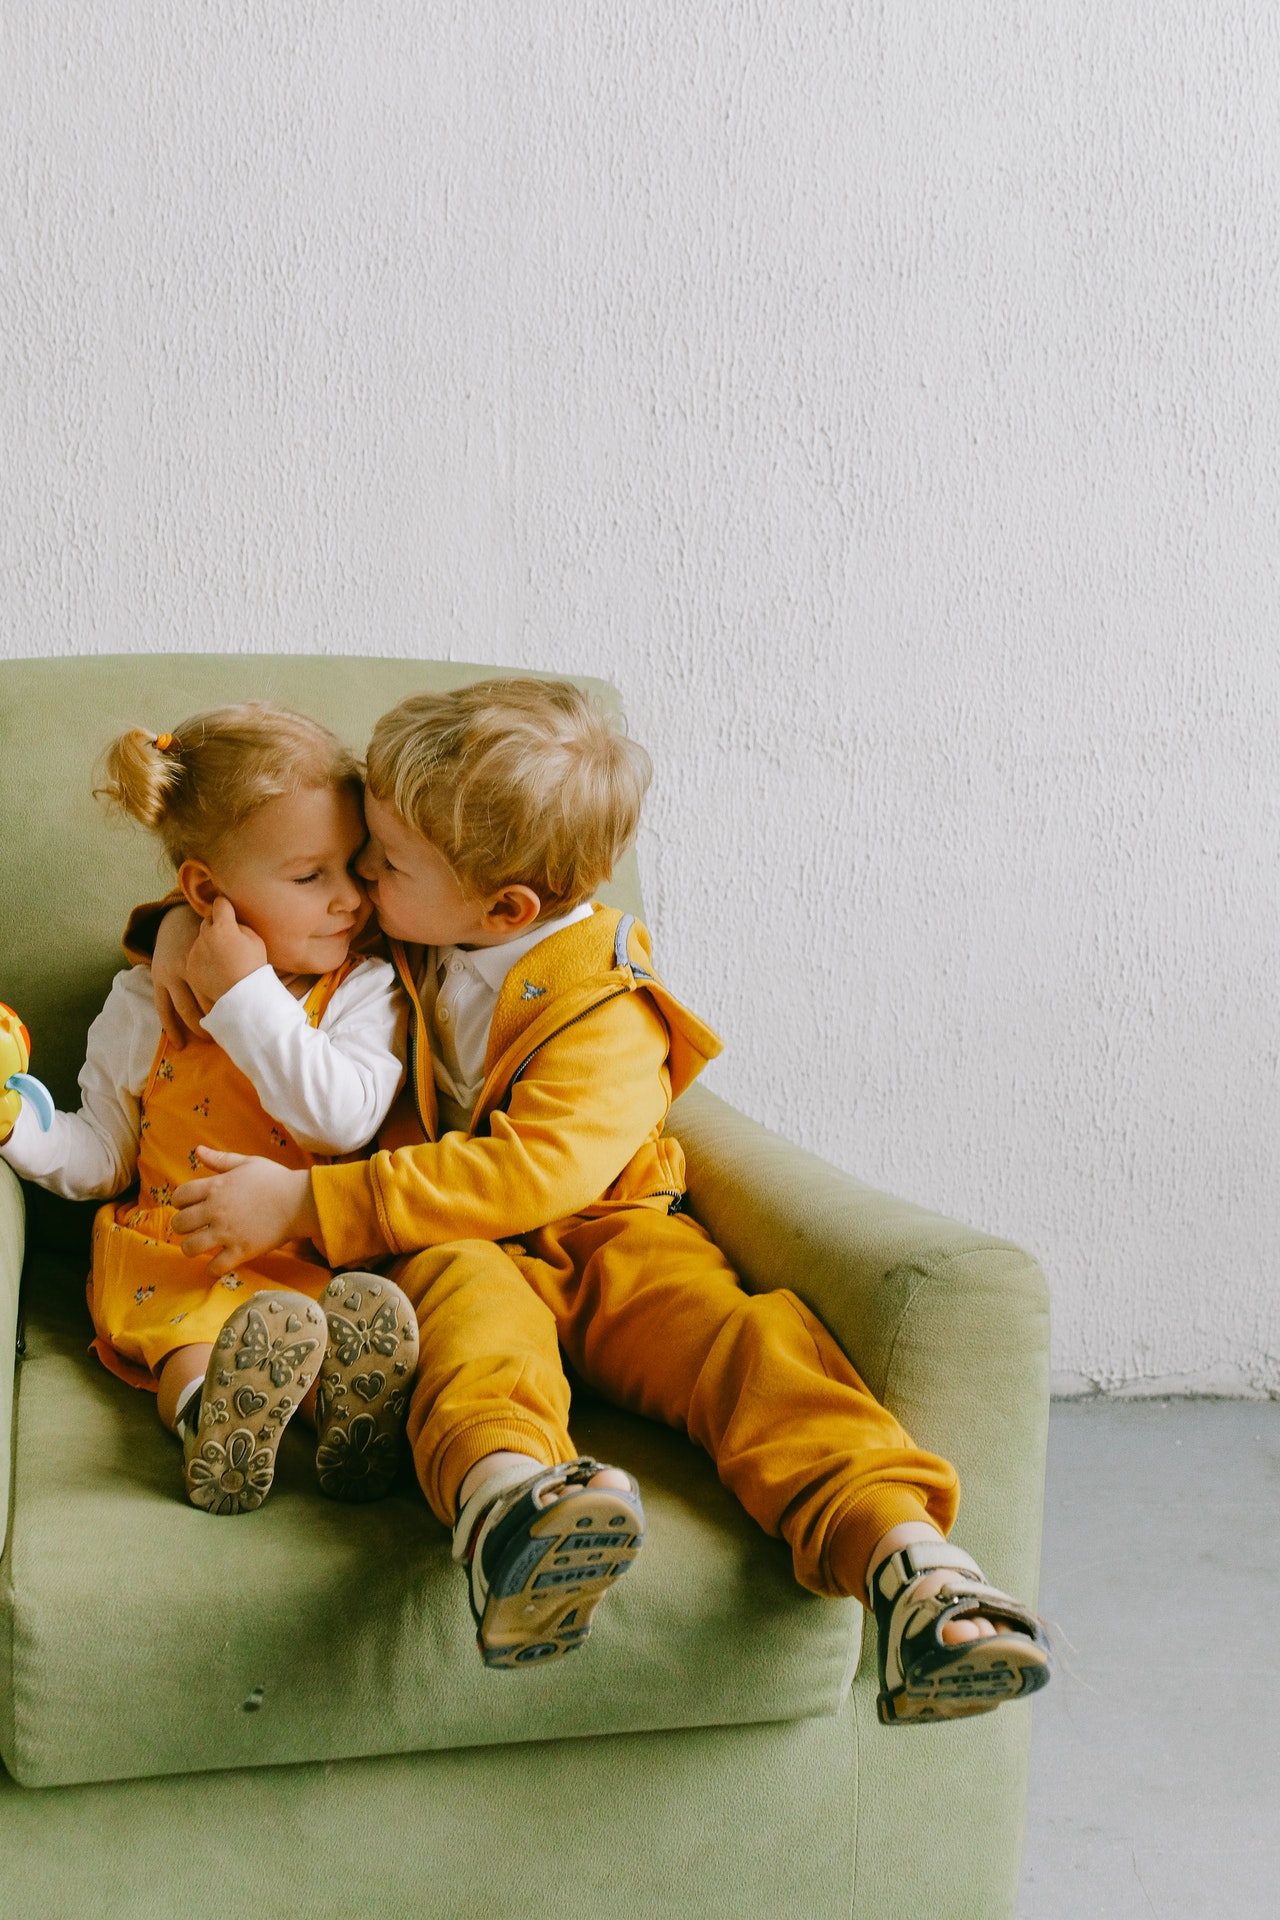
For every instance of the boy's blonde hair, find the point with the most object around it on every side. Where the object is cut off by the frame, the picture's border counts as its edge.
(515, 782)
(195, 786)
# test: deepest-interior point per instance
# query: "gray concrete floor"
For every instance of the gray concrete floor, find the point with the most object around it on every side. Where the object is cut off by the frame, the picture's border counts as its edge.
(1155, 1774)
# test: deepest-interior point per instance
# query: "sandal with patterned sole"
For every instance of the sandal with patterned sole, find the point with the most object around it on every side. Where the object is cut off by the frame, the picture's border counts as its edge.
(364, 1385)
(922, 1677)
(538, 1565)
(263, 1362)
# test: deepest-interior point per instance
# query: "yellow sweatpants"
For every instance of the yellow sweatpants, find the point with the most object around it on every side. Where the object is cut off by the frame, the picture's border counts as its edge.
(651, 1315)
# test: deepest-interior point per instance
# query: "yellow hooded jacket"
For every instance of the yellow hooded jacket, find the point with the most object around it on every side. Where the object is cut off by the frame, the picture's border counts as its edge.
(586, 1052)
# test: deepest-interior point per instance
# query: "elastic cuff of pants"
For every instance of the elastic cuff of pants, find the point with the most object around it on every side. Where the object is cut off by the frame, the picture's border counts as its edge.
(473, 1444)
(858, 1531)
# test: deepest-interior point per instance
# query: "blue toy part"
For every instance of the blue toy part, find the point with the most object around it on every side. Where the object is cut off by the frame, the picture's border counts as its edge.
(36, 1095)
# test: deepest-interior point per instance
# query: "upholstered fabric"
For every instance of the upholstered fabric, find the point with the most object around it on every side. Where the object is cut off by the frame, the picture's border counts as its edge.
(135, 1633)
(346, 1629)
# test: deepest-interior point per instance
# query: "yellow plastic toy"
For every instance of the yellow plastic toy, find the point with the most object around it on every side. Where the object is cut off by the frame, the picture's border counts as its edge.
(16, 1084)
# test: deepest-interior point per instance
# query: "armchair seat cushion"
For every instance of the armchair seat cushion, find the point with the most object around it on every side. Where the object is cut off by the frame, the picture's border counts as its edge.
(148, 1637)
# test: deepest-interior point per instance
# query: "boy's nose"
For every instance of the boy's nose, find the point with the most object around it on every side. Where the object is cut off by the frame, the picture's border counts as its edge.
(366, 865)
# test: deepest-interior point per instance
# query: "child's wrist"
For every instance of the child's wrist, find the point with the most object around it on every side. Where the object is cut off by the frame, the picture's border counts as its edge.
(214, 986)
(308, 1216)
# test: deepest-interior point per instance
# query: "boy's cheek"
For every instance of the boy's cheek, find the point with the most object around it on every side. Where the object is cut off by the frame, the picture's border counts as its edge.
(382, 910)
(385, 915)
(400, 926)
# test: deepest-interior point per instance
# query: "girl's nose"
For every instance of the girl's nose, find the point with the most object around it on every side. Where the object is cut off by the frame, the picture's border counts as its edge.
(348, 895)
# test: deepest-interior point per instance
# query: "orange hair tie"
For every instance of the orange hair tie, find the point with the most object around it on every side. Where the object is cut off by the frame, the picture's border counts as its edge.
(163, 742)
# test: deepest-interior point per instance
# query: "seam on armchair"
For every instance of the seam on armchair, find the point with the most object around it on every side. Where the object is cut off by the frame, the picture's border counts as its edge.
(858, 1810)
(8, 1598)
(923, 1279)
(929, 1273)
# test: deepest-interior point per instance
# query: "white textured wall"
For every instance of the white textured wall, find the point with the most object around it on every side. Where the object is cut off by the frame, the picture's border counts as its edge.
(885, 396)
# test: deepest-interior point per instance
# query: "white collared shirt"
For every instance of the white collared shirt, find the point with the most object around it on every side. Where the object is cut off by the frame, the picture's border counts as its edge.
(460, 988)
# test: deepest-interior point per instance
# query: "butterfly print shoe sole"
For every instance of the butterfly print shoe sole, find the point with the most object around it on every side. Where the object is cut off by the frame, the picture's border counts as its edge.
(263, 1362)
(364, 1385)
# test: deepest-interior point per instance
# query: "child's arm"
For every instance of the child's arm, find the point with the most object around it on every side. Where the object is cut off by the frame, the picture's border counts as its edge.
(160, 935)
(93, 1154)
(330, 1087)
(244, 1206)
(599, 1090)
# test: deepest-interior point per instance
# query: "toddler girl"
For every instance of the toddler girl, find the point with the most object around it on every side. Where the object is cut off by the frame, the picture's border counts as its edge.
(299, 1060)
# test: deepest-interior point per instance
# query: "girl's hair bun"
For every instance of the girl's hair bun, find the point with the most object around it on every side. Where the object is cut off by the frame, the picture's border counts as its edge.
(140, 771)
(195, 786)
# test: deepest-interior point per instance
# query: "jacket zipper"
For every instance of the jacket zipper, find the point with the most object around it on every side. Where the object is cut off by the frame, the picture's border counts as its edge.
(414, 1040)
(673, 1194)
(414, 1027)
(595, 1004)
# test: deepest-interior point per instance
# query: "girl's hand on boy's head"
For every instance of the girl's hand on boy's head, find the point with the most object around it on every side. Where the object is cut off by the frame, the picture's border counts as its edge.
(223, 953)
(176, 1004)
(245, 1207)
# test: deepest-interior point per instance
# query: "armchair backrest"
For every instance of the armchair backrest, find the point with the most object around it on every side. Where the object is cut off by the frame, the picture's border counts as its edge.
(69, 874)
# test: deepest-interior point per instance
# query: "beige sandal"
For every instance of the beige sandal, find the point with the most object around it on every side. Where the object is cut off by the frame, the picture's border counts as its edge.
(364, 1385)
(923, 1677)
(263, 1362)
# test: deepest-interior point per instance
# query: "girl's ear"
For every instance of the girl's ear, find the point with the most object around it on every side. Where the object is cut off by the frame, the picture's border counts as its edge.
(198, 886)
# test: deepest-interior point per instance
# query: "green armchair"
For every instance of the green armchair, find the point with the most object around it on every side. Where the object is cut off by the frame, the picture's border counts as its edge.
(199, 1718)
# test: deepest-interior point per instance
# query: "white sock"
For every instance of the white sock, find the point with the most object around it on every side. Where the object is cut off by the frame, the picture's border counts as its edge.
(190, 1392)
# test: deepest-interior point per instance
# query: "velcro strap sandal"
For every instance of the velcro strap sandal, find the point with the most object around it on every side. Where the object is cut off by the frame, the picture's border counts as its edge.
(541, 1552)
(924, 1678)
(263, 1362)
(364, 1385)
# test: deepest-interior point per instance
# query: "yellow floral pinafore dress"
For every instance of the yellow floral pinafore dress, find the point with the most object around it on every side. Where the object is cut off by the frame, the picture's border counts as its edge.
(147, 1299)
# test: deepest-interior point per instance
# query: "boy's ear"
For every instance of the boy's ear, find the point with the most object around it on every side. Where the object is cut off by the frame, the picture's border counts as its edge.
(512, 911)
(198, 887)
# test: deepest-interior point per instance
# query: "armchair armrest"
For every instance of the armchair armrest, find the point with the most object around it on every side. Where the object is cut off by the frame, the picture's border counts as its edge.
(947, 1326)
(12, 1235)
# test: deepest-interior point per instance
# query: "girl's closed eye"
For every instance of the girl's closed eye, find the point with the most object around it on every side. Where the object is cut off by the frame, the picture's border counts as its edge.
(305, 879)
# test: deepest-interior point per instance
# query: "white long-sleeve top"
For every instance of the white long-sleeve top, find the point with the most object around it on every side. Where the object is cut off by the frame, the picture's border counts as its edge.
(330, 1086)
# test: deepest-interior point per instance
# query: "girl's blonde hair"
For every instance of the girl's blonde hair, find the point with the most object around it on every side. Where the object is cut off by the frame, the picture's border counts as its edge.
(195, 786)
(514, 781)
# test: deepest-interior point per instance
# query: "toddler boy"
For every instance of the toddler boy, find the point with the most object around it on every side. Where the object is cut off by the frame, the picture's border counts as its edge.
(531, 1203)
